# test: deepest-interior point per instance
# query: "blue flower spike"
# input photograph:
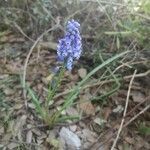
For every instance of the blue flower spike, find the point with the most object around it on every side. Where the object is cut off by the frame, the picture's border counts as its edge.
(70, 46)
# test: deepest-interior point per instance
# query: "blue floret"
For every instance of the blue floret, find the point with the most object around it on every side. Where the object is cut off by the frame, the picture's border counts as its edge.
(69, 48)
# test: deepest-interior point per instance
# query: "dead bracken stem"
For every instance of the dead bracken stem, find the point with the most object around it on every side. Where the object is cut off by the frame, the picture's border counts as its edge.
(103, 82)
(137, 115)
(125, 125)
(28, 57)
(125, 111)
(21, 31)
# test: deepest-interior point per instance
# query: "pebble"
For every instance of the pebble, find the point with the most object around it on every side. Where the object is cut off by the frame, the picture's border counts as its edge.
(69, 139)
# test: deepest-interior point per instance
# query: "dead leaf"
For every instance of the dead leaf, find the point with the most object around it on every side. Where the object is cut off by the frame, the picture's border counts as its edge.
(14, 67)
(73, 77)
(47, 79)
(86, 145)
(12, 145)
(82, 72)
(129, 140)
(18, 125)
(31, 105)
(107, 112)
(73, 128)
(36, 132)
(72, 111)
(49, 45)
(99, 121)
(86, 106)
(7, 137)
(137, 96)
(118, 109)
(89, 135)
(55, 143)
(18, 106)
(1, 130)
(9, 92)
(29, 137)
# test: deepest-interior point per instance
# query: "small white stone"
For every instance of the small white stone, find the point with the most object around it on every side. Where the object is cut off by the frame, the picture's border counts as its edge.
(73, 128)
(69, 139)
(118, 109)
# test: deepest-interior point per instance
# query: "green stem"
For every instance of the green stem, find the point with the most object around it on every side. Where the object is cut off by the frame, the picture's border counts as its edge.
(105, 63)
(54, 87)
(115, 79)
(76, 90)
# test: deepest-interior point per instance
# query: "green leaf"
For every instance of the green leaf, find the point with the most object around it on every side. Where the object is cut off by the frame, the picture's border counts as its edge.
(122, 33)
(118, 42)
(144, 129)
(76, 90)
(64, 118)
(35, 101)
(105, 63)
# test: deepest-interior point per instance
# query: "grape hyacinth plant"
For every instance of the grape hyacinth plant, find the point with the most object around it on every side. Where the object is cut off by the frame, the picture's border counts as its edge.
(70, 46)
(69, 49)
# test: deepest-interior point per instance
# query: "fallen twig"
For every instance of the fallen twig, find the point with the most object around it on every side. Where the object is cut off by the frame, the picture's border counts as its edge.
(21, 31)
(132, 119)
(102, 82)
(28, 56)
(20, 142)
(58, 124)
(125, 111)
(137, 115)
(132, 110)
(49, 44)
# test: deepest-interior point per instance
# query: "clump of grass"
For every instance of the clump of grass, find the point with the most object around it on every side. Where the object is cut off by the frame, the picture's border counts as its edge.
(144, 129)
(4, 84)
(43, 111)
(5, 106)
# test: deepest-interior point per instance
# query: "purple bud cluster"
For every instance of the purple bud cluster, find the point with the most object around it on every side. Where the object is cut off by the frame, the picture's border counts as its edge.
(69, 48)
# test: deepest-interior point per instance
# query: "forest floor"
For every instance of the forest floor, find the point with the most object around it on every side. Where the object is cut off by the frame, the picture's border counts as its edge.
(112, 106)
(21, 128)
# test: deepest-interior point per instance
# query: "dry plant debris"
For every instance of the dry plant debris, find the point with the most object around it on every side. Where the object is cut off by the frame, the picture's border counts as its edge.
(28, 49)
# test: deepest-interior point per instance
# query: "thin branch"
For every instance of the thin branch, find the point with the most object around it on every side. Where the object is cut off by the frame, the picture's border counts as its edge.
(21, 142)
(125, 111)
(59, 124)
(105, 2)
(102, 82)
(112, 128)
(137, 115)
(22, 32)
(29, 54)
(143, 16)
(132, 119)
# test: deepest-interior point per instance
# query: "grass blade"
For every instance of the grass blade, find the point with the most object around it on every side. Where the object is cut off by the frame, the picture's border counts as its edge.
(35, 101)
(105, 63)
(72, 96)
